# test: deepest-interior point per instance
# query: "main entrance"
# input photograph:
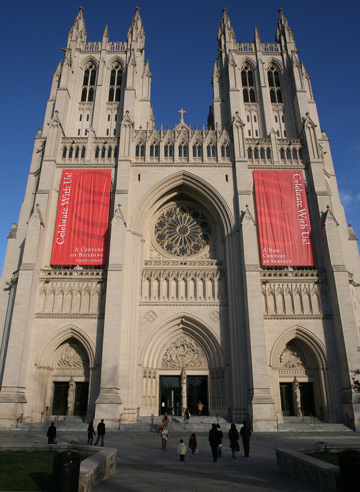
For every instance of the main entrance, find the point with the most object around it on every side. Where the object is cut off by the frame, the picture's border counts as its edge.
(70, 399)
(173, 395)
(297, 405)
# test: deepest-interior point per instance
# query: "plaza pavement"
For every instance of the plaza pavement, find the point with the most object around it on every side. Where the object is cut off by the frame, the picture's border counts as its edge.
(142, 466)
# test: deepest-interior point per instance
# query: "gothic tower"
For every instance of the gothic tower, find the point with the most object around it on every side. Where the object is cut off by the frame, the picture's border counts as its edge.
(154, 268)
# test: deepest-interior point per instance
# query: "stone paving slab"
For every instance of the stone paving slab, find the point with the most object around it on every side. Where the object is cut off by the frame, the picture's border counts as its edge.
(143, 467)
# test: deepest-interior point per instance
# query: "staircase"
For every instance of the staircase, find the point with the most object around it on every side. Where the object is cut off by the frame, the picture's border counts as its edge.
(310, 424)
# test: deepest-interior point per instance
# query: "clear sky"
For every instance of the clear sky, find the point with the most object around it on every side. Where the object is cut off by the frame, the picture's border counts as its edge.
(181, 45)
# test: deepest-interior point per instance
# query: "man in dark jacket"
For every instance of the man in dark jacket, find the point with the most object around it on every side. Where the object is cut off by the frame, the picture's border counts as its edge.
(101, 432)
(245, 434)
(51, 433)
(214, 440)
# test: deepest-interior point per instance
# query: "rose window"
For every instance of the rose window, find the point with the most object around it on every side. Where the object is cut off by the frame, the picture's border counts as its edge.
(182, 231)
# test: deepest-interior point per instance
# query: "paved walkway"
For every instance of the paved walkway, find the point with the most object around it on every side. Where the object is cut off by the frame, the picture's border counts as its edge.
(142, 466)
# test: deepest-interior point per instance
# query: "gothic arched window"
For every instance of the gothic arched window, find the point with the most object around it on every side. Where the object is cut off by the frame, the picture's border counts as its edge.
(168, 150)
(197, 150)
(140, 150)
(211, 150)
(88, 90)
(247, 80)
(274, 84)
(154, 150)
(183, 150)
(83, 153)
(115, 82)
(225, 151)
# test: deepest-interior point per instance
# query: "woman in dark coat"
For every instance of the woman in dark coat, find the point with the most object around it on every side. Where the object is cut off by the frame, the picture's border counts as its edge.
(51, 433)
(234, 440)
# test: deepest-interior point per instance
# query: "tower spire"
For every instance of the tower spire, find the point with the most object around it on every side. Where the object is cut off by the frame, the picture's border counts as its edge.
(77, 33)
(284, 35)
(226, 34)
(136, 33)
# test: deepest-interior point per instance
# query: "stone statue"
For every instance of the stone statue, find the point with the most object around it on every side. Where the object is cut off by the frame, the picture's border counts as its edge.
(297, 397)
(71, 397)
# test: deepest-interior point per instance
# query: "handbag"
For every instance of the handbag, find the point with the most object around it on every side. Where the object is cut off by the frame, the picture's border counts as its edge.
(196, 451)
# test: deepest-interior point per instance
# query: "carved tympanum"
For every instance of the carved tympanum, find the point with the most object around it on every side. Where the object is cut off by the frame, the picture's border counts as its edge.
(292, 357)
(184, 352)
(72, 356)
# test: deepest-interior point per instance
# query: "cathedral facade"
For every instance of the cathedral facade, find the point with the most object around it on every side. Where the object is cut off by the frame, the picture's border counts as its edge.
(154, 268)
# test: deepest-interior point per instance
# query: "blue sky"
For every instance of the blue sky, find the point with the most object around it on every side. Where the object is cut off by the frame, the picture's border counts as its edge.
(181, 46)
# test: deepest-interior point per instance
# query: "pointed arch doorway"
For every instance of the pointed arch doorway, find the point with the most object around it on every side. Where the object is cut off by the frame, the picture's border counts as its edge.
(187, 367)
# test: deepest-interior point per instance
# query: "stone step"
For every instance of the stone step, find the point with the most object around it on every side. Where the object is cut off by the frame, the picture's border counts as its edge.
(311, 424)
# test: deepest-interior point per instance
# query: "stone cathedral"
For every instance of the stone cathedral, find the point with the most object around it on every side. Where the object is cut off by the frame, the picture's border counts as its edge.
(152, 268)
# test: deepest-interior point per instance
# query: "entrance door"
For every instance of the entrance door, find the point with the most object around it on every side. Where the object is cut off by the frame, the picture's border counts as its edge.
(197, 390)
(307, 398)
(287, 403)
(170, 395)
(81, 398)
(60, 398)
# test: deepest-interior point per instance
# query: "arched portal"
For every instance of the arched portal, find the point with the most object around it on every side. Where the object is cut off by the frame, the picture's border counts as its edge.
(183, 364)
(65, 375)
(300, 376)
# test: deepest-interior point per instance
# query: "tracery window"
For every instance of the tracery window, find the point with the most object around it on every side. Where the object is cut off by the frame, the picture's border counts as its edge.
(183, 150)
(247, 80)
(168, 150)
(88, 90)
(197, 150)
(154, 150)
(274, 84)
(140, 150)
(182, 230)
(225, 151)
(211, 150)
(115, 82)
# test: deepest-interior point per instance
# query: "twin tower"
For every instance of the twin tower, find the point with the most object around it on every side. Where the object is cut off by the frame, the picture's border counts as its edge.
(154, 268)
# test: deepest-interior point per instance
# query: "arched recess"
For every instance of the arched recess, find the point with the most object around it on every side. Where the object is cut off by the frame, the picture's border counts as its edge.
(188, 184)
(183, 347)
(65, 375)
(301, 376)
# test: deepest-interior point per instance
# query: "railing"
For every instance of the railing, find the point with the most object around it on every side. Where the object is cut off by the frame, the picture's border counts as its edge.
(44, 412)
(19, 419)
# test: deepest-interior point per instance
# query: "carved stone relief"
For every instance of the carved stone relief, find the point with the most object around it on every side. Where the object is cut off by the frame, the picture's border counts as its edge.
(72, 359)
(184, 352)
(292, 357)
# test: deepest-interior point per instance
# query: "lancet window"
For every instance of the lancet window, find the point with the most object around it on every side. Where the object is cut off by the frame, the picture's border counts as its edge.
(183, 150)
(168, 150)
(247, 80)
(154, 150)
(197, 150)
(115, 83)
(140, 150)
(274, 85)
(211, 150)
(88, 90)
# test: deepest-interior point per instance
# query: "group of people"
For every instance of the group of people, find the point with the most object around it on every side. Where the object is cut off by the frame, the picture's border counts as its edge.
(51, 433)
(216, 437)
(215, 440)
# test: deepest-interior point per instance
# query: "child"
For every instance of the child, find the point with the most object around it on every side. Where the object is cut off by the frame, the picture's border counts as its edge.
(193, 445)
(182, 450)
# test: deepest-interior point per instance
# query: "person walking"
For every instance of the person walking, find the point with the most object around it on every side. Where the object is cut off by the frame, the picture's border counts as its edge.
(193, 445)
(101, 432)
(245, 434)
(91, 433)
(166, 420)
(164, 437)
(200, 407)
(214, 440)
(182, 450)
(218, 428)
(51, 433)
(234, 440)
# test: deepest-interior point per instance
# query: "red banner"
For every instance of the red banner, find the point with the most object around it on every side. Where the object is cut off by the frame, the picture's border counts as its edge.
(283, 219)
(82, 219)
